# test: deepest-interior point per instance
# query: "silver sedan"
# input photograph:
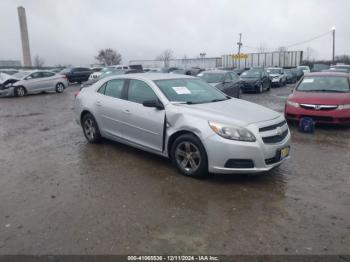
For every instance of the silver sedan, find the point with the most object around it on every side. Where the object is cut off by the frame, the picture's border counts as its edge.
(30, 82)
(183, 118)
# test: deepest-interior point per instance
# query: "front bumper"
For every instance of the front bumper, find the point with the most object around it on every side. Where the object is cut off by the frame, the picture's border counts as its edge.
(263, 156)
(6, 92)
(249, 87)
(335, 116)
(275, 81)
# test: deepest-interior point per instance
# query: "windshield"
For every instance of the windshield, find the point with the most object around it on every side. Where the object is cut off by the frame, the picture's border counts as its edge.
(251, 74)
(324, 84)
(274, 71)
(212, 77)
(191, 91)
(21, 74)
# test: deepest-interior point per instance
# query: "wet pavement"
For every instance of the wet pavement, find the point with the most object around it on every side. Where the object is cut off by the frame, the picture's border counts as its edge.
(60, 195)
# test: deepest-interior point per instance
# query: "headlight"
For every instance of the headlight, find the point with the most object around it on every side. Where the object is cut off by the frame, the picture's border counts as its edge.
(343, 107)
(293, 104)
(232, 132)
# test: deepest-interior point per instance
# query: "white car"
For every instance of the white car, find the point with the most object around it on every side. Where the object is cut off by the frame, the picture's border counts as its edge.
(277, 76)
(95, 75)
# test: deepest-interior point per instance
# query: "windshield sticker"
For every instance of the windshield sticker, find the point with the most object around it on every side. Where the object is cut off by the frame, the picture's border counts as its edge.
(181, 90)
(308, 80)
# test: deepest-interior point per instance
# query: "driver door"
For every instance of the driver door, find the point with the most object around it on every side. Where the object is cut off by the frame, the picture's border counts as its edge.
(142, 125)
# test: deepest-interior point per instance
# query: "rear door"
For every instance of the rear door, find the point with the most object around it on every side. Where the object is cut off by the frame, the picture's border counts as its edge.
(143, 125)
(48, 80)
(109, 107)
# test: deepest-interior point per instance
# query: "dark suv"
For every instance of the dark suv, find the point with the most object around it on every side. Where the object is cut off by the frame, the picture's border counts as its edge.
(77, 74)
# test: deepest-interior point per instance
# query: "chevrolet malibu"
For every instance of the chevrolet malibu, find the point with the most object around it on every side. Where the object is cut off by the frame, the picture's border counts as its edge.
(185, 119)
(322, 96)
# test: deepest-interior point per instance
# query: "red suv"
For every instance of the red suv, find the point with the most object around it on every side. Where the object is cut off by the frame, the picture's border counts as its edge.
(323, 96)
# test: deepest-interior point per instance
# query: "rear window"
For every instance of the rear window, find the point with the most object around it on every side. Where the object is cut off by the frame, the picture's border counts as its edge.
(324, 84)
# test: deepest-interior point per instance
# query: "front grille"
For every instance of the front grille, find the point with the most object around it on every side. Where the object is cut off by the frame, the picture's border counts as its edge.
(276, 138)
(268, 128)
(318, 107)
(239, 163)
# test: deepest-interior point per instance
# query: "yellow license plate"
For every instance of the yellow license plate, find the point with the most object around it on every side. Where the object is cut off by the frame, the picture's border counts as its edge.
(284, 152)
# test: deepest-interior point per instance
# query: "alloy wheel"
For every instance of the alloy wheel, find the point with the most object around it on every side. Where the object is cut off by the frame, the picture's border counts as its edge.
(60, 88)
(89, 129)
(20, 91)
(187, 156)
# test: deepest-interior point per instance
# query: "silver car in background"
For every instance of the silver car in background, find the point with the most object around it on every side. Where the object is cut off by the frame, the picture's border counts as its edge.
(183, 118)
(31, 82)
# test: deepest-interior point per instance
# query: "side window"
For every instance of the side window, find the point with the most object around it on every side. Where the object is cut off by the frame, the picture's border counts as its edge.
(102, 89)
(36, 75)
(114, 88)
(47, 74)
(139, 92)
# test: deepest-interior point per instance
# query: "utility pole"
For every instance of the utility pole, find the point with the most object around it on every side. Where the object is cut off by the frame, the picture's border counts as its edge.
(333, 54)
(239, 43)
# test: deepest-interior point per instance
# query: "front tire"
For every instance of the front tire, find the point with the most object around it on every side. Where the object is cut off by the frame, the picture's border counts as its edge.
(189, 156)
(59, 88)
(20, 91)
(90, 128)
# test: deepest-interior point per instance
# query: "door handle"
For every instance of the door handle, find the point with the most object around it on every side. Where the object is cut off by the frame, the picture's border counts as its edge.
(98, 103)
(127, 111)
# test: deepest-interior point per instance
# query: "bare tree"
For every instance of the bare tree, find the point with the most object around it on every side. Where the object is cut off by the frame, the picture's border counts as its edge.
(108, 56)
(262, 48)
(166, 56)
(38, 61)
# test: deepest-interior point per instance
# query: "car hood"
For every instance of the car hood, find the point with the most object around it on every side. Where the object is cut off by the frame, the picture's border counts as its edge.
(319, 98)
(4, 77)
(231, 111)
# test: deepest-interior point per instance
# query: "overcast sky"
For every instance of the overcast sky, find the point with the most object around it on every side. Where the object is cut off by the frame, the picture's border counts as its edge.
(72, 31)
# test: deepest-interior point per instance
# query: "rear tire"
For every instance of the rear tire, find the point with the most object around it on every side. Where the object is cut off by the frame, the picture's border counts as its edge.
(189, 156)
(20, 91)
(60, 88)
(90, 129)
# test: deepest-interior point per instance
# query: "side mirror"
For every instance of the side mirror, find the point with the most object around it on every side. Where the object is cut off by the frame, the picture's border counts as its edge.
(28, 77)
(153, 103)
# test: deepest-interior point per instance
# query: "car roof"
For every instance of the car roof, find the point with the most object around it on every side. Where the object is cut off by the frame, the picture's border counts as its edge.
(328, 74)
(153, 76)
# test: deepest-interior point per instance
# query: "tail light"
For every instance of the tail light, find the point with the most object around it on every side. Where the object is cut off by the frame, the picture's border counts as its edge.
(76, 94)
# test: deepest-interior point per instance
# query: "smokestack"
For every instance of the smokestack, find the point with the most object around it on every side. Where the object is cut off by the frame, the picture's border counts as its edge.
(27, 61)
